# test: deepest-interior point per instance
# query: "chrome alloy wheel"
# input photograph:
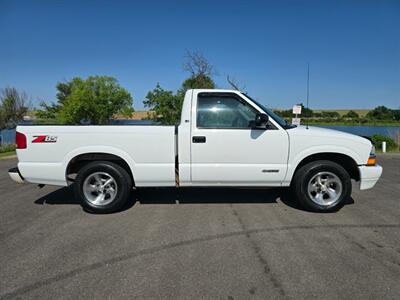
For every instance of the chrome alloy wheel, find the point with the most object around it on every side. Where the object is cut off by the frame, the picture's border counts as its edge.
(100, 188)
(324, 188)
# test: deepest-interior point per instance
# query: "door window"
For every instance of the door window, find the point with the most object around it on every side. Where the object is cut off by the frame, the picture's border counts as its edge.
(224, 111)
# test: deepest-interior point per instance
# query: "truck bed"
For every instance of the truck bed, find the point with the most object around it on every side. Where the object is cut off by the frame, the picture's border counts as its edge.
(148, 150)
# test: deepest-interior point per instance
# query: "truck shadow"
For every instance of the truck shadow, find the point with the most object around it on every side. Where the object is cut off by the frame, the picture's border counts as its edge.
(221, 195)
(206, 195)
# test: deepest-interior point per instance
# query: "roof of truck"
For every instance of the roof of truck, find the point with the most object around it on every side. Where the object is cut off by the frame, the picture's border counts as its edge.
(215, 90)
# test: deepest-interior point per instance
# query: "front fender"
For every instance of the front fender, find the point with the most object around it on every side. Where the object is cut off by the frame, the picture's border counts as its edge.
(294, 161)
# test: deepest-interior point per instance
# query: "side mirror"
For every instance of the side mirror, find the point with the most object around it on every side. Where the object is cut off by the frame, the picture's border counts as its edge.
(261, 121)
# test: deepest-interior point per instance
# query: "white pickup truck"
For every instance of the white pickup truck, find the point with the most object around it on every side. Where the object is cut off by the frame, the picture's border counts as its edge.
(225, 138)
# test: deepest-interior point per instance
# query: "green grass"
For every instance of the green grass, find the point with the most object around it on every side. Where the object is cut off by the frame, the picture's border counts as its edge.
(7, 150)
(7, 154)
(361, 112)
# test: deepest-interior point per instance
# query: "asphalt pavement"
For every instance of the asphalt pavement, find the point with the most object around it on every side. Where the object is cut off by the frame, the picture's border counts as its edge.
(200, 243)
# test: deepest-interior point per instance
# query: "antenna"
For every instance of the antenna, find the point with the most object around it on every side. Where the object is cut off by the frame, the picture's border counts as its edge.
(308, 87)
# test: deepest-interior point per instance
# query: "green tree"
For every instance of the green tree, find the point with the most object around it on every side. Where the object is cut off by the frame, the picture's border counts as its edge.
(64, 89)
(396, 114)
(305, 112)
(167, 106)
(351, 114)
(14, 105)
(199, 81)
(330, 114)
(95, 99)
(287, 113)
(380, 113)
(2, 118)
(50, 111)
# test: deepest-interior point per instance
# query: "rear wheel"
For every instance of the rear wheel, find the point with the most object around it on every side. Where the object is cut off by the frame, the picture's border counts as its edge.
(322, 186)
(102, 187)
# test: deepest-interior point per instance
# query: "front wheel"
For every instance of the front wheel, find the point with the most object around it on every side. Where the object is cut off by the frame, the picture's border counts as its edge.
(322, 186)
(102, 187)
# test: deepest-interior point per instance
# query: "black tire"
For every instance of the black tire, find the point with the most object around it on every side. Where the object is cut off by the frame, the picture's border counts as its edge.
(122, 185)
(304, 176)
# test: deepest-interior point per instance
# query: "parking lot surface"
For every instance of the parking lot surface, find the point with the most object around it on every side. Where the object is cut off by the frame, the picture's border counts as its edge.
(209, 243)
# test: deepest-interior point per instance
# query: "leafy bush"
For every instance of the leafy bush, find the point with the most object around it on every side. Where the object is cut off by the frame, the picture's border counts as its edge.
(351, 115)
(94, 100)
(7, 148)
(396, 114)
(330, 114)
(378, 139)
(381, 113)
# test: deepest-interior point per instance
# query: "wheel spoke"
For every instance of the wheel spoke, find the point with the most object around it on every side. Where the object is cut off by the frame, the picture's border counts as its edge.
(92, 188)
(313, 188)
(99, 199)
(108, 181)
(331, 192)
(97, 178)
(111, 192)
(330, 181)
(319, 198)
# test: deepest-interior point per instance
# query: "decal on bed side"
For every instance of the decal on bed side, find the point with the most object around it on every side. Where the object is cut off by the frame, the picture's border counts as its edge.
(44, 139)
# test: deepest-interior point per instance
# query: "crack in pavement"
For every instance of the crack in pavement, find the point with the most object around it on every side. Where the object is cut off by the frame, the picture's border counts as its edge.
(267, 269)
(369, 253)
(153, 250)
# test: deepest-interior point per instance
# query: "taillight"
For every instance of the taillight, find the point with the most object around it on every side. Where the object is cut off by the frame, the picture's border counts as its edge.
(20, 140)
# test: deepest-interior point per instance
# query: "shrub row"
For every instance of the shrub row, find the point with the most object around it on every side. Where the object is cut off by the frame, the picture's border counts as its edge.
(378, 139)
(7, 148)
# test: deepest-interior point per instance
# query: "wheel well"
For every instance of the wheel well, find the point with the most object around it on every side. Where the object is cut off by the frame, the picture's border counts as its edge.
(341, 159)
(78, 162)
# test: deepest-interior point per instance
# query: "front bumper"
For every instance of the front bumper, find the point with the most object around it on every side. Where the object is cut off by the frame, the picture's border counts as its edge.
(16, 175)
(369, 175)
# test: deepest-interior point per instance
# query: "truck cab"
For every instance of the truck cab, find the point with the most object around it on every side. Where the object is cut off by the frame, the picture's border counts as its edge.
(220, 142)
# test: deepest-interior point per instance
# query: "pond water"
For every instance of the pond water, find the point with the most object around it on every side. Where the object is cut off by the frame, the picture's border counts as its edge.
(7, 136)
(390, 131)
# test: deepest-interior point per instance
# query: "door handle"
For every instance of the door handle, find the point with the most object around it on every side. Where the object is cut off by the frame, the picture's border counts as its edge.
(199, 139)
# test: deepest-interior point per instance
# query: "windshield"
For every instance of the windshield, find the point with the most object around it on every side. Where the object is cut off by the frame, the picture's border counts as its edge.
(273, 115)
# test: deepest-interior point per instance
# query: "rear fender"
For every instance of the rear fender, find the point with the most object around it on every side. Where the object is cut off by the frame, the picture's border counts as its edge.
(100, 149)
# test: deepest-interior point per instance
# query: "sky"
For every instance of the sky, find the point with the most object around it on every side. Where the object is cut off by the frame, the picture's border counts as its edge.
(353, 47)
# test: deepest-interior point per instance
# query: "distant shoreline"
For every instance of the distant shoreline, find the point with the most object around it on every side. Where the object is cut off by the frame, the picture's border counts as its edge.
(393, 124)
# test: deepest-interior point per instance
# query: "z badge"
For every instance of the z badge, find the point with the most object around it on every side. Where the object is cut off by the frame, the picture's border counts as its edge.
(44, 139)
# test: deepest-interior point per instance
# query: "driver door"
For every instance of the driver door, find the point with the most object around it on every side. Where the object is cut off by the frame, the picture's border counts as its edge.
(226, 150)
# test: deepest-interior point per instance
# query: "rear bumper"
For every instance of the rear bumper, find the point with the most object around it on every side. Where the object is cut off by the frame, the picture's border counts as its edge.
(16, 175)
(369, 175)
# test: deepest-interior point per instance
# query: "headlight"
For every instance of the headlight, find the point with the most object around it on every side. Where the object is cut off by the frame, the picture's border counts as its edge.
(372, 157)
(372, 150)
